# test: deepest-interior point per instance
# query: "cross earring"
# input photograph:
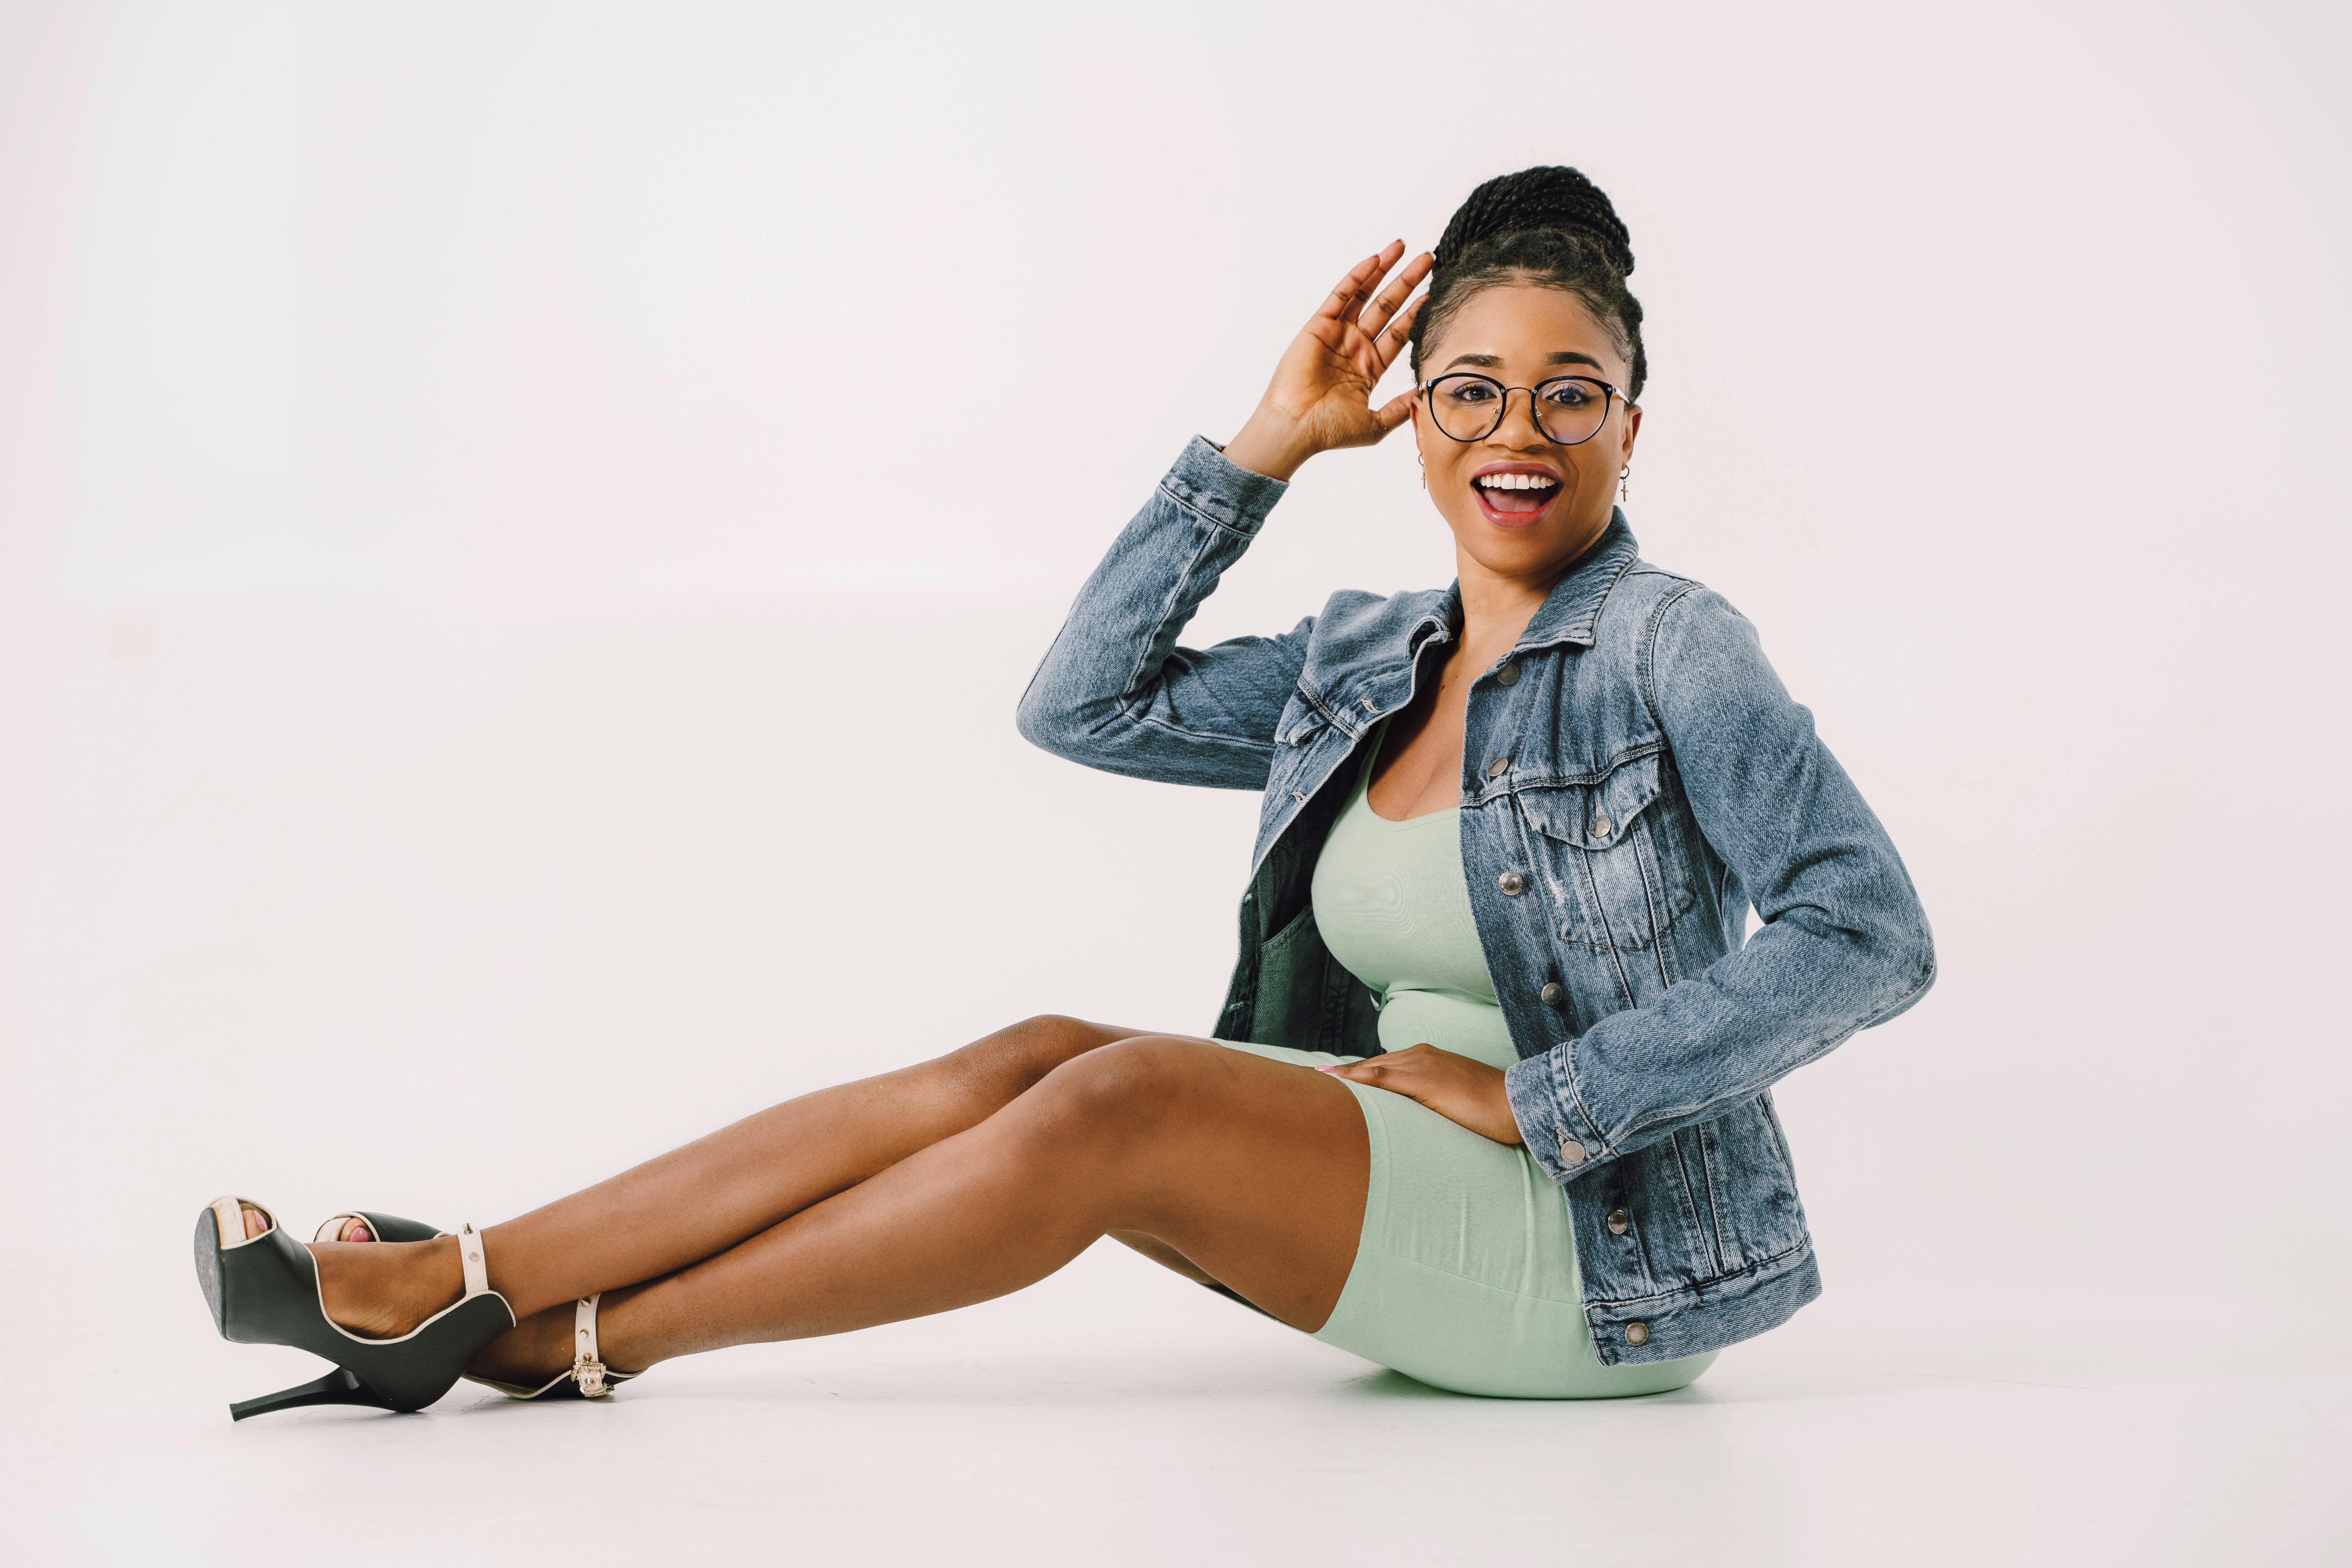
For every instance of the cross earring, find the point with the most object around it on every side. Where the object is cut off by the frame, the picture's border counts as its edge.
(1425, 469)
(1622, 487)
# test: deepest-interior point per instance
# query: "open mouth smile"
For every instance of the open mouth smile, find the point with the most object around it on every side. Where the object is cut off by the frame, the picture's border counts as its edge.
(1515, 495)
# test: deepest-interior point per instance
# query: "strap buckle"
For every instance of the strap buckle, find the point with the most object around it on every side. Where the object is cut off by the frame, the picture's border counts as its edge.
(589, 1374)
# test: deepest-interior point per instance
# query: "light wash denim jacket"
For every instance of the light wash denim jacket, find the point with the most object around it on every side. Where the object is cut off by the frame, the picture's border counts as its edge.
(1633, 777)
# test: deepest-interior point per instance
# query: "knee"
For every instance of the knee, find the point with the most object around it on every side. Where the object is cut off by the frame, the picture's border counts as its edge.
(1131, 1089)
(1016, 1059)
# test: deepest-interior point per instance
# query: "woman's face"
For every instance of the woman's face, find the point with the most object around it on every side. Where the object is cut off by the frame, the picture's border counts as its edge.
(1529, 528)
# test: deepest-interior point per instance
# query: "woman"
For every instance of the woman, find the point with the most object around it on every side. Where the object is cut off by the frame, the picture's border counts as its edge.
(1510, 836)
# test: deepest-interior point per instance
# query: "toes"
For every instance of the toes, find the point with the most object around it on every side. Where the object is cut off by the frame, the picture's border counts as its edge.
(356, 1230)
(256, 1222)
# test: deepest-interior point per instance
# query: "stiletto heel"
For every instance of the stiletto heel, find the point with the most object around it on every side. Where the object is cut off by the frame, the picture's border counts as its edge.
(338, 1387)
(263, 1289)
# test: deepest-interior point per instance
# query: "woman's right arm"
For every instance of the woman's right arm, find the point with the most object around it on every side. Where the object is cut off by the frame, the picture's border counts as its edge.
(1116, 691)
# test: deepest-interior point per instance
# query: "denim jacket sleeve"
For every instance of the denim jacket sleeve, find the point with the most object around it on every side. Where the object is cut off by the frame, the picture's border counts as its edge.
(1843, 945)
(1115, 690)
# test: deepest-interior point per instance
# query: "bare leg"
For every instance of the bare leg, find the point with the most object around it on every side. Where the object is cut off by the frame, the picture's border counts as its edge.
(1251, 1171)
(683, 1206)
(1254, 1171)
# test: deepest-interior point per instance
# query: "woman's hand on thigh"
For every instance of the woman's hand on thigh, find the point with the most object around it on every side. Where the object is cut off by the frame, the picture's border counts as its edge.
(1458, 1087)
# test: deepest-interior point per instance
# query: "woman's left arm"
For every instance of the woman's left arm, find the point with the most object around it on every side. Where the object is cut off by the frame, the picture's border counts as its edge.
(1843, 944)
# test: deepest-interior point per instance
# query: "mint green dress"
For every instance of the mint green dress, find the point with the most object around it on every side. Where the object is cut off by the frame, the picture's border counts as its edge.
(1465, 1273)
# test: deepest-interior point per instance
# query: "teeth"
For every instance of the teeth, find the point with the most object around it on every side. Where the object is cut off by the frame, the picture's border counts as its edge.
(1517, 482)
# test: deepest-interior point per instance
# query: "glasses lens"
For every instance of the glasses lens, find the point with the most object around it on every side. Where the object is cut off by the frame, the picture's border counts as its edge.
(1465, 406)
(1571, 409)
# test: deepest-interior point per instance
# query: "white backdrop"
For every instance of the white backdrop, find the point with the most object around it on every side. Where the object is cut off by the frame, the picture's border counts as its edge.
(521, 531)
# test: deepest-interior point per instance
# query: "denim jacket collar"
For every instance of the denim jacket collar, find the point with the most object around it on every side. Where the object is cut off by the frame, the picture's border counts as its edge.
(1356, 684)
(1572, 608)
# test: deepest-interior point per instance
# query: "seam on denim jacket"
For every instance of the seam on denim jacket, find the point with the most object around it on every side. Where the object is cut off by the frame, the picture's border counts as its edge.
(1576, 1098)
(1804, 1245)
(1135, 713)
(1203, 737)
(1645, 662)
(1208, 517)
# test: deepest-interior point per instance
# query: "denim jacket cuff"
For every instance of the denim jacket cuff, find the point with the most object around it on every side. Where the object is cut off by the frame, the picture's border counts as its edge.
(1552, 1123)
(1213, 486)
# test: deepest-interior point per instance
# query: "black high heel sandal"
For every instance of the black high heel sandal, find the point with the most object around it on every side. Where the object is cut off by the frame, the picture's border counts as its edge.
(586, 1378)
(263, 1289)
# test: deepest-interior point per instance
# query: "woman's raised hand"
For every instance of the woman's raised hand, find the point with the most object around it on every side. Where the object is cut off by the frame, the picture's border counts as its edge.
(1321, 394)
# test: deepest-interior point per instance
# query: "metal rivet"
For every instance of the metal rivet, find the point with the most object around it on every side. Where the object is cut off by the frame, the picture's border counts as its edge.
(1619, 1221)
(1600, 823)
(1554, 993)
(1299, 796)
(1498, 767)
(1571, 1153)
(1637, 1333)
(1512, 884)
(1508, 676)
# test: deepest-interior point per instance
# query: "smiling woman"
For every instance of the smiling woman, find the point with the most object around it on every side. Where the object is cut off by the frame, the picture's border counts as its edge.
(1511, 833)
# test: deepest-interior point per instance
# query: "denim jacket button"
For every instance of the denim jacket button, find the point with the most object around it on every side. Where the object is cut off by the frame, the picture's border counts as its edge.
(1600, 825)
(1554, 993)
(1619, 1221)
(1512, 884)
(1508, 676)
(1571, 1153)
(1498, 767)
(1637, 1333)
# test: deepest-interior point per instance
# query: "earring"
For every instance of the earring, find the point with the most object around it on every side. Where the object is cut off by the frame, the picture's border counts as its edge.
(1425, 469)
(1621, 486)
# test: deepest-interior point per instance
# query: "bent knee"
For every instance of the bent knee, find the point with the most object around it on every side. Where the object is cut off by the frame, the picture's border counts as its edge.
(1132, 1085)
(1021, 1054)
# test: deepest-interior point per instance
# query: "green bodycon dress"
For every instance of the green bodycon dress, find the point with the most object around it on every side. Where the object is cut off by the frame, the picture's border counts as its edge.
(1465, 1273)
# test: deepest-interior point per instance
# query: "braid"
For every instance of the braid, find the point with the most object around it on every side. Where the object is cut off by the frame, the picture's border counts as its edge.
(1548, 225)
(1547, 196)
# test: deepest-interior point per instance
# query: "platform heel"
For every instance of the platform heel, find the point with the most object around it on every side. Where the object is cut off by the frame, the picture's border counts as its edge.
(263, 1289)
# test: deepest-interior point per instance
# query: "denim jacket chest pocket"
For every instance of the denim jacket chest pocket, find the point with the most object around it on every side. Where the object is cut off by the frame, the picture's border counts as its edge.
(1608, 847)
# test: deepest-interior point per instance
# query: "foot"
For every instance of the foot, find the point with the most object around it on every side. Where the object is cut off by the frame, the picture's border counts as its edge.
(528, 1354)
(380, 1290)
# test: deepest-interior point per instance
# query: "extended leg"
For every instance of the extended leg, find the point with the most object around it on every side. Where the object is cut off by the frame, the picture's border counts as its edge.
(1254, 1170)
(703, 1198)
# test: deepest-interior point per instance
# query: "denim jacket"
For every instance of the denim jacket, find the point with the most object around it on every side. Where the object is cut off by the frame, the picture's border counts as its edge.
(1634, 778)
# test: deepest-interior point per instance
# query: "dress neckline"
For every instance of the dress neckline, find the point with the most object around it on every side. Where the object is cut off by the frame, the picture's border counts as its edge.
(1364, 788)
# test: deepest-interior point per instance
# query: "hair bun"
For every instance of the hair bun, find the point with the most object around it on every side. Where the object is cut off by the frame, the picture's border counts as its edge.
(1549, 196)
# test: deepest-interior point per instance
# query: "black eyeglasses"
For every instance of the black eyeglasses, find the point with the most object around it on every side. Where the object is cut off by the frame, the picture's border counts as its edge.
(1569, 409)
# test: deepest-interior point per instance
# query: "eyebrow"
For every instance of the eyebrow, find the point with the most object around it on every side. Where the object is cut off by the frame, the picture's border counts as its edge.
(1494, 362)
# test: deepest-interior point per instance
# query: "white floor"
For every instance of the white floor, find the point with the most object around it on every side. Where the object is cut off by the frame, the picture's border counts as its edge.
(1118, 1415)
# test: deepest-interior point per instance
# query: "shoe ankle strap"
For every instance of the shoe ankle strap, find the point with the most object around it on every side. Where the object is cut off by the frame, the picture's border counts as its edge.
(588, 1367)
(469, 1257)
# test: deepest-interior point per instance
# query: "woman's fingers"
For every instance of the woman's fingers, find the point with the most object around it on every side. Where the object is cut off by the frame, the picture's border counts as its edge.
(1391, 343)
(1357, 287)
(1383, 310)
(1394, 412)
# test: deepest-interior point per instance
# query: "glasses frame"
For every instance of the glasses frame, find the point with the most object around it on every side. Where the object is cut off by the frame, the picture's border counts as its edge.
(1612, 400)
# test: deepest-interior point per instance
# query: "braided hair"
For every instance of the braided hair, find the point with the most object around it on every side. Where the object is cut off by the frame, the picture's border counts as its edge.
(1549, 226)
